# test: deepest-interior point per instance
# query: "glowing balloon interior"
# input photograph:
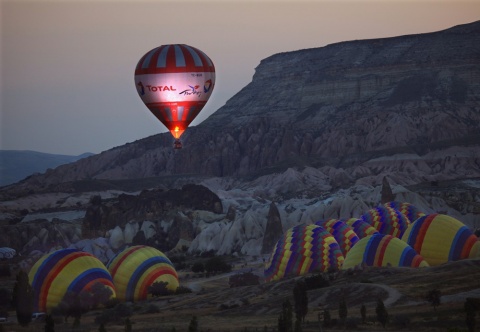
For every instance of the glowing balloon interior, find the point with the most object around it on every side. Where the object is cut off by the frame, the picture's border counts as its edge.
(175, 82)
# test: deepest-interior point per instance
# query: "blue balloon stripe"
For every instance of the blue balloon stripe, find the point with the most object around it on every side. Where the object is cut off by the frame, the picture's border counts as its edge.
(139, 271)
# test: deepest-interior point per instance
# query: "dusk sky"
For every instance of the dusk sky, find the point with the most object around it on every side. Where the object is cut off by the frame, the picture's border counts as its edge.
(67, 66)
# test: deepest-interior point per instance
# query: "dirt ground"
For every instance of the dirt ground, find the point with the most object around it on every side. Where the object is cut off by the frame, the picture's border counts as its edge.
(257, 308)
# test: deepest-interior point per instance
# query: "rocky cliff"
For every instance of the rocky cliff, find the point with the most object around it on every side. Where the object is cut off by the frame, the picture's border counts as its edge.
(345, 105)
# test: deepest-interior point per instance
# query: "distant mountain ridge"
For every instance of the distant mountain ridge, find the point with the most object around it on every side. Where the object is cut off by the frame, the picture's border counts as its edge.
(406, 106)
(15, 165)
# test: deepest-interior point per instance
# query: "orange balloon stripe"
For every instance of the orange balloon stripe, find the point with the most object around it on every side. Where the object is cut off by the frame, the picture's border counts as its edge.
(122, 259)
(148, 281)
(421, 233)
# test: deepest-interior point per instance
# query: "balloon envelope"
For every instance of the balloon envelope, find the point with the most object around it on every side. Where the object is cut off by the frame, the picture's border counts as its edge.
(175, 82)
(343, 233)
(408, 210)
(301, 250)
(386, 220)
(382, 250)
(62, 271)
(136, 268)
(361, 227)
(440, 238)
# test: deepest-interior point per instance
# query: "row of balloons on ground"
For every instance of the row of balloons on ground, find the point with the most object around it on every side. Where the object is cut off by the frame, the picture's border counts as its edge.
(383, 236)
(392, 234)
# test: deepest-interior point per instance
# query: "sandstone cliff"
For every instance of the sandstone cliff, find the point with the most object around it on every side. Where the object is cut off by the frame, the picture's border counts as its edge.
(343, 105)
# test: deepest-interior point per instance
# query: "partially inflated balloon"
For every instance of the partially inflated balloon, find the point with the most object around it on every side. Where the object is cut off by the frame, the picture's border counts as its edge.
(382, 250)
(440, 238)
(343, 233)
(175, 82)
(136, 268)
(361, 227)
(62, 271)
(408, 210)
(301, 250)
(386, 220)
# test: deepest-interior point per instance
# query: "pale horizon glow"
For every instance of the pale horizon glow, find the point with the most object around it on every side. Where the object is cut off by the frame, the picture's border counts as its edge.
(67, 66)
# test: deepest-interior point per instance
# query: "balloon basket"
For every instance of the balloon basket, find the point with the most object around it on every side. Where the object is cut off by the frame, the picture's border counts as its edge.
(177, 145)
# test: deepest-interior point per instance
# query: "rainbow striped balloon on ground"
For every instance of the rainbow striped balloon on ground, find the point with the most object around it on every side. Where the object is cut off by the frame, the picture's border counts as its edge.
(440, 238)
(408, 210)
(386, 220)
(382, 250)
(62, 271)
(361, 227)
(136, 268)
(303, 249)
(344, 234)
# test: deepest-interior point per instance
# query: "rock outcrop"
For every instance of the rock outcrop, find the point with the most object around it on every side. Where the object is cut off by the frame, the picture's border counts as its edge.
(344, 105)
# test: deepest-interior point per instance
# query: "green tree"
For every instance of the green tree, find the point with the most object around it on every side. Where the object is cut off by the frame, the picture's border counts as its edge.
(285, 318)
(342, 311)
(301, 300)
(433, 296)
(193, 326)
(327, 319)
(471, 305)
(382, 313)
(128, 325)
(22, 299)
(363, 313)
(49, 324)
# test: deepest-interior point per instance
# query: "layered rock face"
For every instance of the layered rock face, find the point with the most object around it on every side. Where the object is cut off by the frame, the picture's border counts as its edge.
(339, 105)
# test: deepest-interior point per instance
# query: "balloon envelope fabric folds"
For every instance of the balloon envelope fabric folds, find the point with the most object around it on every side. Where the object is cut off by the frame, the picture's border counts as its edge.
(303, 249)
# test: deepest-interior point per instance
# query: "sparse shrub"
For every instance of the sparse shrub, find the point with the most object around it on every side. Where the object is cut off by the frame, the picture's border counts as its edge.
(351, 323)
(198, 267)
(316, 281)
(217, 264)
(159, 288)
(402, 321)
(366, 281)
(182, 290)
(152, 309)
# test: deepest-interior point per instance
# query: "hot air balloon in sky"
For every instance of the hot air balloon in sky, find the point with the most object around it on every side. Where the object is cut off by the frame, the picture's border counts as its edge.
(136, 268)
(62, 271)
(382, 250)
(301, 250)
(440, 238)
(175, 82)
